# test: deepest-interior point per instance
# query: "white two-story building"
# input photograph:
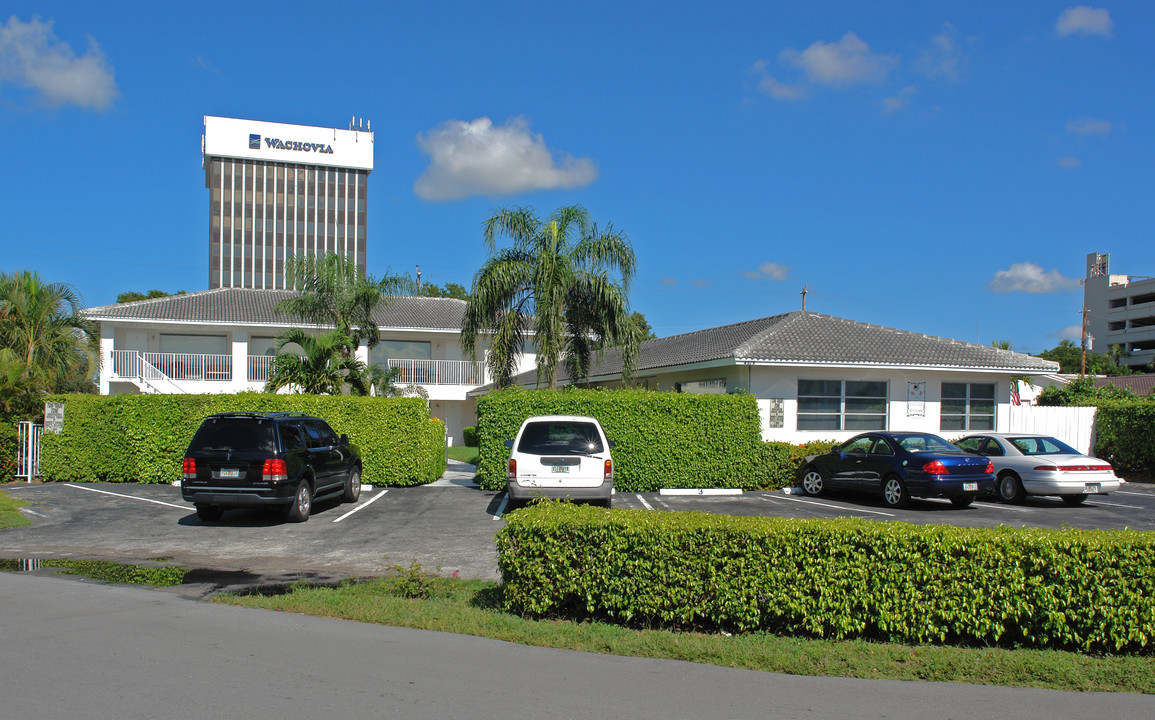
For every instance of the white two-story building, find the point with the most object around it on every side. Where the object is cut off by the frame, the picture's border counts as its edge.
(223, 341)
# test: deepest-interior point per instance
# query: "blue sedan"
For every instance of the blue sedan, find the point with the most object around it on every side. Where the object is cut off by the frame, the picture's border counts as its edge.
(900, 465)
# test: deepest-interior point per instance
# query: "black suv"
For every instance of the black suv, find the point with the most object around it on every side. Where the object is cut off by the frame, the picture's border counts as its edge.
(262, 459)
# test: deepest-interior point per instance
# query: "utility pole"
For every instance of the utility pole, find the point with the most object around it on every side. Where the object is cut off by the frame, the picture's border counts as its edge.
(418, 279)
(803, 294)
(1083, 366)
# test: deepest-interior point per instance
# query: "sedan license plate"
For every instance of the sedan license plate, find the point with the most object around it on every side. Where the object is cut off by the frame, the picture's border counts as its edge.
(230, 473)
(1091, 488)
(970, 487)
(560, 469)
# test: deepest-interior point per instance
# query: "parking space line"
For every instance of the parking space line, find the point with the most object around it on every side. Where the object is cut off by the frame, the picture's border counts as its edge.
(366, 504)
(1109, 504)
(642, 500)
(501, 508)
(836, 507)
(1124, 492)
(130, 497)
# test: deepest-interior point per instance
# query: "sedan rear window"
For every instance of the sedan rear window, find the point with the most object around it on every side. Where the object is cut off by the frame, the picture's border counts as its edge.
(560, 438)
(1042, 446)
(227, 435)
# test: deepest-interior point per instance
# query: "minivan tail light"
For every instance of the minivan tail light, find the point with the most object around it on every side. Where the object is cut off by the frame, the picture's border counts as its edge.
(935, 467)
(512, 469)
(609, 470)
(274, 470)
(189, 469)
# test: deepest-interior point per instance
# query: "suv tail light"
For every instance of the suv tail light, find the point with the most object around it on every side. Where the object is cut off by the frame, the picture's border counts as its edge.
(512, 475)
(609, 471)
(935, 467)
(189, 469)
(274, 470)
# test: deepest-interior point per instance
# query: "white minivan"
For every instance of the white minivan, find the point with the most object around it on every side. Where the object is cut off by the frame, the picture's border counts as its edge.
(560, 456)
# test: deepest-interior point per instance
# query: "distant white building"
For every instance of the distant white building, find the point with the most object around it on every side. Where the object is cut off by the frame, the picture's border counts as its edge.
(222, 341)
(1120, 311)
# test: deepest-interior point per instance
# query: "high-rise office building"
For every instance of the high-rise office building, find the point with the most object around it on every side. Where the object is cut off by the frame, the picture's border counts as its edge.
(278, 190)
(1120, 312)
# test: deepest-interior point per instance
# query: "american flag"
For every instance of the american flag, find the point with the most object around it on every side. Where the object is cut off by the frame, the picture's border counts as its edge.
(1015, 393)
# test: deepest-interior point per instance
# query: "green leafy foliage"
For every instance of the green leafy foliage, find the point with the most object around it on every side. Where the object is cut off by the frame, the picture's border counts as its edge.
(114, 572)
(9, 448)
(469, 436)
(782, 461)
(1092, 591)
(1123, 434)
(1081, 391)
(142, 438)
(660, 439)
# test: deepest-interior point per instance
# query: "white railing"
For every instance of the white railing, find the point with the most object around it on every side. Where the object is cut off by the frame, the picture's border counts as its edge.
(28, 450)
(438, 372)
(190, 366)
(260, 368)
(126, 364)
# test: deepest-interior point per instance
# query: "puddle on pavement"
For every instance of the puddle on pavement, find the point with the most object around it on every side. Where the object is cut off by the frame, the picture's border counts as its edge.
(21, 565)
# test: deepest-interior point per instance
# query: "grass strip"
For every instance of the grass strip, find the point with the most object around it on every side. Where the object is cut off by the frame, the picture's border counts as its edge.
(473, 607)
(10, 515)
(464, 454)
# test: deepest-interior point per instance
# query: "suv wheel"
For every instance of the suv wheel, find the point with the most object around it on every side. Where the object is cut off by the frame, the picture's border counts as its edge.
(302, 503)
(353, 487)
(210, 513)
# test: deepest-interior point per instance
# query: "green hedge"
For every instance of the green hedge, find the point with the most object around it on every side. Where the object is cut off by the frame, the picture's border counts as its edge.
(660, 439)
(142, 438)
(782, 461)
(9, 448)
(1123, 434)
(1092, 591)
(469, 436)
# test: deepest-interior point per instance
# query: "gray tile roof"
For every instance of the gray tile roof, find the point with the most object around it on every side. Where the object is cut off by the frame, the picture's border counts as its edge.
(1138, 384)
(807, 338)
(242, 306)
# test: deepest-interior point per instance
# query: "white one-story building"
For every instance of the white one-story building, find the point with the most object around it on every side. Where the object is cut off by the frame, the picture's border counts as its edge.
(818, 377)
(223, 340)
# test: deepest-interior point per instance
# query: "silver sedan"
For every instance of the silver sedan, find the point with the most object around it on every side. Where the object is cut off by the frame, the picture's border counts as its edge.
(1027, 464)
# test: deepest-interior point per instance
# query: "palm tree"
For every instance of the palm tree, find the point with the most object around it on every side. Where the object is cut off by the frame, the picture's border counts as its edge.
(333, 293)
(322, 370)
(556, 283)
(41, 324)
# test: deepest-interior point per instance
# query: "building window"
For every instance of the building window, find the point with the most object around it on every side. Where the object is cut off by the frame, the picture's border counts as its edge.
(1118, 303)
(968, 406)
(841, 405)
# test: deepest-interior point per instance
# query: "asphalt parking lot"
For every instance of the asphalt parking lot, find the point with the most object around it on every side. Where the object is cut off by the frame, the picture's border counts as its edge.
(449, 526)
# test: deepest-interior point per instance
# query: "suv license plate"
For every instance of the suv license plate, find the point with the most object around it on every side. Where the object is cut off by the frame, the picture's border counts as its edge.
(560, 468)
(970, 487)
(1091, 488)
(230, 473)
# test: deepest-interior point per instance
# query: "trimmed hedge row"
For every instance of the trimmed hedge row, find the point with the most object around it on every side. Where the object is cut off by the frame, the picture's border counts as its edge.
(1123, 434)
(1092, 591)
(142, 438)
(660, 439)
(9, 449)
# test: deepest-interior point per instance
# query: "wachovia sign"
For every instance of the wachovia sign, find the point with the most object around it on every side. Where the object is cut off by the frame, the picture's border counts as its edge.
(276, 144)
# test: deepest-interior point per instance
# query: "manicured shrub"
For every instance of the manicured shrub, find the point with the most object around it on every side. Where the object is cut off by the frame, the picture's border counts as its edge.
(1092, 591)
(9, 449)
(1123, 434)
(142, 438)
(783, 460)
(469, 436)
(660, 439)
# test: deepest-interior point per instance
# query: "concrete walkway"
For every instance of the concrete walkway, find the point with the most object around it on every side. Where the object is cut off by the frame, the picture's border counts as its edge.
(458, 474)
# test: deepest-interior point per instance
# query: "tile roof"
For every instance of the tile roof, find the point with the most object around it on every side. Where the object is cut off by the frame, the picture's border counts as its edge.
(807, 338)
(1138, 384)
(244, 306)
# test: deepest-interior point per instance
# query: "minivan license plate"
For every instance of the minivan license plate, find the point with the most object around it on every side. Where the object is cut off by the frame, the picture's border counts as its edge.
(230, 473)
(560, 468)
(970, 487)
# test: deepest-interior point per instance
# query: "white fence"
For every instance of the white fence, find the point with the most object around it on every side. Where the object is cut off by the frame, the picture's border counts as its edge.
(1073, 425)
(28, 450)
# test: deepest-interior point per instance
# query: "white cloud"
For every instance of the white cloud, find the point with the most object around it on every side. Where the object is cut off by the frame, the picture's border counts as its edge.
(700, 283)
(770, 270)
(1030, 278)
(1084, 20)
(479, 158)
(943, 58)
(1089, 126)
(1071, 332)
(668, 281)
(843, 63)
(1068, 162)
(775, 88)
(898, 102)
(31, 56)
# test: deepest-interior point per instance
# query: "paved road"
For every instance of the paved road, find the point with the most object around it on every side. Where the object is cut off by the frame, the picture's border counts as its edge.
(75, 649)
(449, 525)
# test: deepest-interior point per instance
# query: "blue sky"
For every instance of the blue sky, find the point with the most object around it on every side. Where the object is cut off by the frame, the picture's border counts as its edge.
(931, 166)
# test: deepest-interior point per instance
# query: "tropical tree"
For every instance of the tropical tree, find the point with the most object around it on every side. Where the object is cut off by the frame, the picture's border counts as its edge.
(332, 292)
(45, 334)
(564, 280)
(319, 368)
(451, 290)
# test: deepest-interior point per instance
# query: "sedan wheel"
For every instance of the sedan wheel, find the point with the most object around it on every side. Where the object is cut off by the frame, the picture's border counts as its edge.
(894, 492)
(302, 504)
(1074, 499)
(1011, 488)
(353, 486)
(812, 483)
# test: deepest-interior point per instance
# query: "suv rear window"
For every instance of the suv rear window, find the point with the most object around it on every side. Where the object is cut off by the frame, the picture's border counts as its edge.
(560, 438)
(231, 435)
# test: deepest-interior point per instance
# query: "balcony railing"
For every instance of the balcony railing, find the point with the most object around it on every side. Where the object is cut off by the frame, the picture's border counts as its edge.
(438, 372)
(189, 366)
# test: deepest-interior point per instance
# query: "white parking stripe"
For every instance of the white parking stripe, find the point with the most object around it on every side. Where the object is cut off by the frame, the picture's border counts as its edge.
(501, 508)
(836, 507)
(642, 500)
(364, 505)
(1110, 504)
(1123, 492)
(130, 497)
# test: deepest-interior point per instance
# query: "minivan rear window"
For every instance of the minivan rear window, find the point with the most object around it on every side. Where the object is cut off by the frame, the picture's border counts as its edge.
(229, 435)
(560, 437)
